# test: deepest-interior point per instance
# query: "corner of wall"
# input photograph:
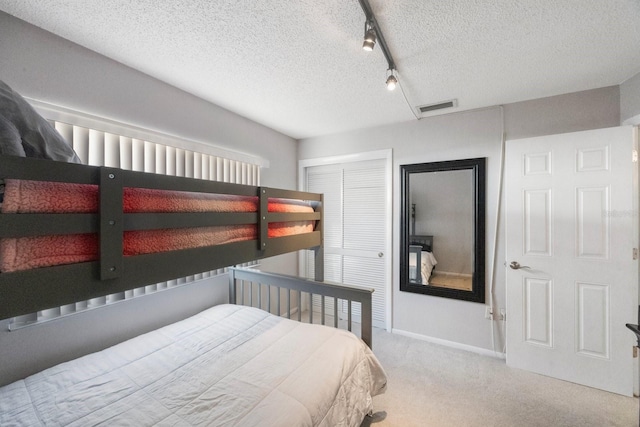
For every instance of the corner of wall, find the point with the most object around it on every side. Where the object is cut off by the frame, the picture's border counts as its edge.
(630, 101)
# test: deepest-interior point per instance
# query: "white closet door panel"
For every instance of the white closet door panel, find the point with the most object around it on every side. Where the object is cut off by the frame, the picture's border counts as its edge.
(354, 228)
(364, 207)
(328, 181)
(332, 273)
(368, 273)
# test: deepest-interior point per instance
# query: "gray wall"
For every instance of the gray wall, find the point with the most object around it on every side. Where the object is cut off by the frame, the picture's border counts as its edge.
(42, 66)
(630, 100)
(460, 136)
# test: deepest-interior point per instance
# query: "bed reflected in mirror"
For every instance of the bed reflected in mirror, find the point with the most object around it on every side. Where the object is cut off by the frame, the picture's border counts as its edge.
(442, 229)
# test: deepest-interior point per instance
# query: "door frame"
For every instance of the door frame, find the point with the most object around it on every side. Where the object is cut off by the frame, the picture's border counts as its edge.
(387, 155)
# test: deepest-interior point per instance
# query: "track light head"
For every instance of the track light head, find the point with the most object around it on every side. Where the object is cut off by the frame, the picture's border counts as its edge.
(369, 37)
(392, 81)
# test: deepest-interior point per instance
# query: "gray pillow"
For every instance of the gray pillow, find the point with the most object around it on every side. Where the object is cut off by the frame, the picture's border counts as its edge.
(25, 133)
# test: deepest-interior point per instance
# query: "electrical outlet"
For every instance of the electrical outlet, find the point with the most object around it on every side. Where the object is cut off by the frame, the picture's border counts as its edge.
(503, 314)
(488, 314)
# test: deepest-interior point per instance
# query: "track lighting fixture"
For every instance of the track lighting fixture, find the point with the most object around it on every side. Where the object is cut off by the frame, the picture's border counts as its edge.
(392, 80)
(373, 34)
(369, 37)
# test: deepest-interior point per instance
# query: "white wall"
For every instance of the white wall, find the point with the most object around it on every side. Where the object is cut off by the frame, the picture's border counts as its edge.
(45, 67)
(460, 136)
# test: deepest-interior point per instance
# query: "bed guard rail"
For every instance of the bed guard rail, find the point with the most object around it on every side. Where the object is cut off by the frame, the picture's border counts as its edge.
(258, 293)
(28, 291)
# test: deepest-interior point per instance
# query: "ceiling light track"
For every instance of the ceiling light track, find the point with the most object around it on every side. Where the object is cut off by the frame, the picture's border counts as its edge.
(373, 25)
(373, 33)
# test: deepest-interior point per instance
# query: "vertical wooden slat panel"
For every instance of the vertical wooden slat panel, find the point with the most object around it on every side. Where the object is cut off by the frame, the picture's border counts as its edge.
(161, 158)
(67, 309)
(180, 162)
(81, 143)
(137, 155)
(126, 153)
(111, 150)
(96, 148)
(279, 313)
(170, 155)
(149, 157)
(50, 313)
(226, 164)
(188, 164)
(66, 131)
(269, 299)
(204, 166)
(213, 168)
(197, 165)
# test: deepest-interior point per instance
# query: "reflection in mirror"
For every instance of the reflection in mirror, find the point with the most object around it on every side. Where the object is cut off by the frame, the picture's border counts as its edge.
(442, 230)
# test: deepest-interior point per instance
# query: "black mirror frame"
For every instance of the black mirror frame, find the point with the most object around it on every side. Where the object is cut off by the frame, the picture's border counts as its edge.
(478, 168)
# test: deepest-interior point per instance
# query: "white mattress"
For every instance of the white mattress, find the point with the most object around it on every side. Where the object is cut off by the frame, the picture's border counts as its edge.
(229, 365)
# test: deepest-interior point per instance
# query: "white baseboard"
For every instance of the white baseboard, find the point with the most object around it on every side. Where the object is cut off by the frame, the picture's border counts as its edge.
(452, 344)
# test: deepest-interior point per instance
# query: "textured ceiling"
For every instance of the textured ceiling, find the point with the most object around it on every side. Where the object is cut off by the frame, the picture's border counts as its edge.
(298, 66)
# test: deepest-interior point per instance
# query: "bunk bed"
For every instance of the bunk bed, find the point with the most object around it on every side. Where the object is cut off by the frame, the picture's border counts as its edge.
(229, 365)
(145, 257)
(71, 232)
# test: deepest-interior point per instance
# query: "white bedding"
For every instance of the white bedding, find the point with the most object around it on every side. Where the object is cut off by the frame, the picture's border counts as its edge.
(428, 261)
(229, 365)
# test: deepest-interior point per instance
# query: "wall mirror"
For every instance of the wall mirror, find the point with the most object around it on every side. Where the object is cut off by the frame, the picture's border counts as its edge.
(442, 231)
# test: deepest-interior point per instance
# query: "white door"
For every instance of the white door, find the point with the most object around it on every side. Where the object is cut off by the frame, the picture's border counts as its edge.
(571, 216)
(357, 219)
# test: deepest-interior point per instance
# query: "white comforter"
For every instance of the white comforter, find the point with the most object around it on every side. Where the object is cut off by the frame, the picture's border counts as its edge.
(428, 261)
(229, 365)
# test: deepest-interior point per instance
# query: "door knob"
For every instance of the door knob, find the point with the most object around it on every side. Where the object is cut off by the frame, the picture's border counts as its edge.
(516, 265)
(380, 254)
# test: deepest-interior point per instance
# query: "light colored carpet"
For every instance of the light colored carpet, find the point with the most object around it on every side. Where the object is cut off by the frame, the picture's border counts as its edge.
(444, 280)
(432, 385)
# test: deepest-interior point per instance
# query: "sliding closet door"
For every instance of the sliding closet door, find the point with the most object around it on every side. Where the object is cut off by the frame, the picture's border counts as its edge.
(356, 225)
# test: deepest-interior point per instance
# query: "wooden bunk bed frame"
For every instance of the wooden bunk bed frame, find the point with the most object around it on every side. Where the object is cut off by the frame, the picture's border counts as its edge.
(28, 291)
(263, 298)
(36, 289)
